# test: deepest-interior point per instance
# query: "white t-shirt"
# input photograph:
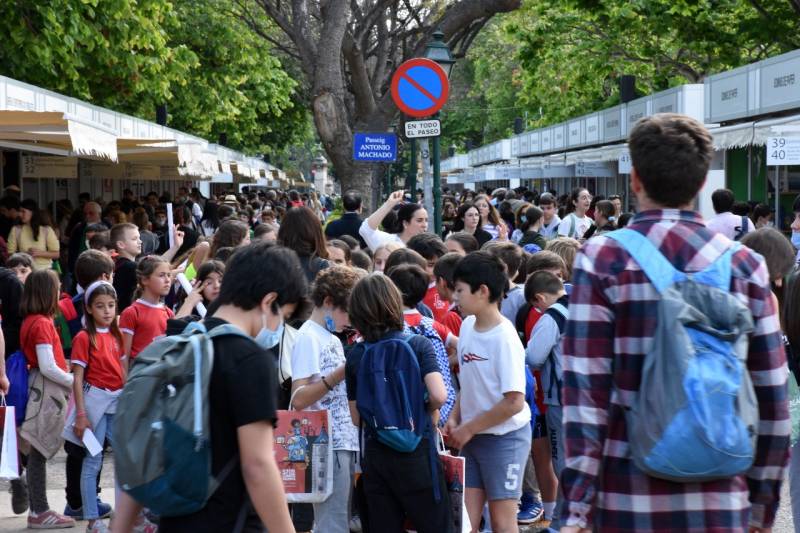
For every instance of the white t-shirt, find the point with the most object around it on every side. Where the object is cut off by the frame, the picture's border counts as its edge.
(316, 353)
(492, 363)
(728, 224)
(574, 226)
(376, 238)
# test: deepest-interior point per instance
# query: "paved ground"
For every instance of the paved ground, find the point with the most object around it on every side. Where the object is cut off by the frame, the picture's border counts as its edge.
(56, 482)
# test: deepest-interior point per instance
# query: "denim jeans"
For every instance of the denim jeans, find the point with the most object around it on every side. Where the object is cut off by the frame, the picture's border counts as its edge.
(91, 467)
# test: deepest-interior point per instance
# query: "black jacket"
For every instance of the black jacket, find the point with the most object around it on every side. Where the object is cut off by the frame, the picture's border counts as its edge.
(347, 225)
(10, 299)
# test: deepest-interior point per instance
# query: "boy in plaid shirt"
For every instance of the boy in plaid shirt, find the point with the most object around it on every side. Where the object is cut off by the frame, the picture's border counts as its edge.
(611, 328)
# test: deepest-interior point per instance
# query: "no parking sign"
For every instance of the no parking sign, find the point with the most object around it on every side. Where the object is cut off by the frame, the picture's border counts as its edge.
(420, 87)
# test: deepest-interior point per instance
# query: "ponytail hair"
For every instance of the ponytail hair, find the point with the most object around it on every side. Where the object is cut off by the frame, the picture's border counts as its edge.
(100, 288)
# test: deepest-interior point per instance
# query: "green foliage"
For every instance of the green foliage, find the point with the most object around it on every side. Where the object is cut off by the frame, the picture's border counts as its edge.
(557, 59)
(130, 55)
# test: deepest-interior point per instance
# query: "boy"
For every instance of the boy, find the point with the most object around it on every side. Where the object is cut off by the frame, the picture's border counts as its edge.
(431, 248)
(91, 266)
(22, 265)
(511, 256)
(124, 238)
(550, 218)
(490, 420)
(545, 291)
(443, 274)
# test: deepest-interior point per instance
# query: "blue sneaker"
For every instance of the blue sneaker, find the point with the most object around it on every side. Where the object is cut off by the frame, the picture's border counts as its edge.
(103, 509)
(530, 512)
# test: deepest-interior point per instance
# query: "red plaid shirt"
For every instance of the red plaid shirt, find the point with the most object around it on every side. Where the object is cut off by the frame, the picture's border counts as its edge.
(610, 328)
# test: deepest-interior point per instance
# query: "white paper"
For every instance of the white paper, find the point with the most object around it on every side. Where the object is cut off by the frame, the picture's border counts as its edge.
(184, 281)
(170, 226)
(9, 460)
(90, 441)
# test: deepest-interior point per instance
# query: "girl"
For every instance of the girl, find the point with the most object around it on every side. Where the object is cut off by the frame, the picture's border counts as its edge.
(468, 220)
(530, 224)
(382, 253)
(603, 219)
(490, 218)
(48, 371)
(575, 223)
(409, 220)
(99, 378)
(207, 284)
(461, 243)
(318, 364)
(146, 319)
(302, 232)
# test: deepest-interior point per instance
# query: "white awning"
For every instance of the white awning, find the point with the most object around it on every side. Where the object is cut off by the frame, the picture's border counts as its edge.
(56, 133)
(734, 136)
(774, 128)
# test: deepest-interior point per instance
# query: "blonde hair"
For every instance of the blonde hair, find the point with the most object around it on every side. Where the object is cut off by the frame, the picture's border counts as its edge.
(566, 248)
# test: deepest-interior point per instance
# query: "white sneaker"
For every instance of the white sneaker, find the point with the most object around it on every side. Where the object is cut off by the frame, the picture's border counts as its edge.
(98, 526)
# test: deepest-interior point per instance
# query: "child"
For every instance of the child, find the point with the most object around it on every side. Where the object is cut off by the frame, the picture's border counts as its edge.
(22, 265)
(99, 378)
(567, 248)
(90, 267)
(382, 253)
(42, 348)
(461, 243)
(511, 256)
(546, 292)
(124, 238)
(412, 282)
(318, 363)
(207, 285)
(443, 272)
(603, 219)
(550, 219)
(396, 483)
(490, 420)
(146, 319)
(431, 248)
(530, 230)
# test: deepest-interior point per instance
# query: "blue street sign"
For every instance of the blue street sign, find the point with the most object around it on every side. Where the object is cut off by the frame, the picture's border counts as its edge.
(375, 147)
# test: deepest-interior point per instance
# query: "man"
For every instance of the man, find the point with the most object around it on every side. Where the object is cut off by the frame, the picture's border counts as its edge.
(9, 214)
(350, 221)
(725, 222)
(611, 326)
(92, 213)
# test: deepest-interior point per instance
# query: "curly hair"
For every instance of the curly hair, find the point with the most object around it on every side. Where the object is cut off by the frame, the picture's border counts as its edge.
(335, 282)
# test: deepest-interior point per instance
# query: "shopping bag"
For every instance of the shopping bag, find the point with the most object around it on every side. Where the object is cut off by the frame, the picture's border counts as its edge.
(304, 453)
(17, 372)
(794, 408)
(454, 477)
(9, 459)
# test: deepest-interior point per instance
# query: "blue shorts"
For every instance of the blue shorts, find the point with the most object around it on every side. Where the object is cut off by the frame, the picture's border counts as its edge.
(496, 463)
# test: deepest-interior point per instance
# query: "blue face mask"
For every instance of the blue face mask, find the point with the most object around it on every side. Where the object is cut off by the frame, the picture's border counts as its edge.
(523, 219)
(268, 338)
(796, 240)
(330, 325)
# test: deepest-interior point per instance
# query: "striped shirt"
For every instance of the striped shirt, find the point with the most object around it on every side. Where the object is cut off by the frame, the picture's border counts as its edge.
(611, 326)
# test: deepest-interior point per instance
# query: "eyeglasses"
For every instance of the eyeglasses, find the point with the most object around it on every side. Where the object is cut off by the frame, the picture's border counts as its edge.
(615, 197)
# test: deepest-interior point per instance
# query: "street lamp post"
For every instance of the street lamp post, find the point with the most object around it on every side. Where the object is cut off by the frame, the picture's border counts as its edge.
(438, 51)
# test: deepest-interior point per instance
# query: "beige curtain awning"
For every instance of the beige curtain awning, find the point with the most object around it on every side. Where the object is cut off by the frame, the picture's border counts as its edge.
(184, 160)
(56, 133)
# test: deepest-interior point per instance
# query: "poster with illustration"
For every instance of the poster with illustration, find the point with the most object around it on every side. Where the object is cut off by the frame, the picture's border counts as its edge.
(304, 454)
(454, 480)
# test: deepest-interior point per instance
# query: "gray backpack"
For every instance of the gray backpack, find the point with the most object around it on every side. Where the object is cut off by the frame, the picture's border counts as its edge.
(695, 415)
(161, 435)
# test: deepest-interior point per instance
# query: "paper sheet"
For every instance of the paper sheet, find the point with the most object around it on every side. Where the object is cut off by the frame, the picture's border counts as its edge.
(90, 441)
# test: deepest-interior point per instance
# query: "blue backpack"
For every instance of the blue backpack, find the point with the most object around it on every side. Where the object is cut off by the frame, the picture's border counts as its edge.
(426, 329)
(391, 394)
(17, 373)
(695, 415)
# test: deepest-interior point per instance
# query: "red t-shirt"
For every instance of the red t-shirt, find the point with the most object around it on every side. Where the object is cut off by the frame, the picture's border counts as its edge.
(413, 318)
(102, 362)
(145, 322)
(453, 321)
(40, 329)
(533, 316)
(438, 306)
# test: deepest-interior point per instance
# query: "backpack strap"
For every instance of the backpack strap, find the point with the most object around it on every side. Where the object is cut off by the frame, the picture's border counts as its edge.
(718, 273)
(655, 266)
(572, 222)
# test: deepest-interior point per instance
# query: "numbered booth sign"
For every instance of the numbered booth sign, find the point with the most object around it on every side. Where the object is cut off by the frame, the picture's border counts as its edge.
(783, 151)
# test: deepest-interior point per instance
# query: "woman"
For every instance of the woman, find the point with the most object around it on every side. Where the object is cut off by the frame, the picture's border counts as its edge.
(409, 220)
(396, 484)
(34, 237)
(302, 232)
(468, 220)
(490, 218)
(448, 213)
(210, 221)
(576, 222)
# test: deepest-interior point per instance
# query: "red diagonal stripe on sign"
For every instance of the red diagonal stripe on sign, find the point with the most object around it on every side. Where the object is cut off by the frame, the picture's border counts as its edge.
(419, 87)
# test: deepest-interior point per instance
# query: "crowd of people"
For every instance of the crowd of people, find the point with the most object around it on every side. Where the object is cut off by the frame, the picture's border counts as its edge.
(530, 321)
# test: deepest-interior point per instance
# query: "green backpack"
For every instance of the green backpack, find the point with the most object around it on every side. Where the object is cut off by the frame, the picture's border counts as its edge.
(161, 434)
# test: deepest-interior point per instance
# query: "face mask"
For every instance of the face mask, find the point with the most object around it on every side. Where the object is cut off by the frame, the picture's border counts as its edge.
(523, 219)
(268, 338)
(769, 224)
(796, 240)
(330, 325)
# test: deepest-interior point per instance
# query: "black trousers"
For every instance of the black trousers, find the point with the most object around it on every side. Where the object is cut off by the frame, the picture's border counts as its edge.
(398, 484)
(75, 455)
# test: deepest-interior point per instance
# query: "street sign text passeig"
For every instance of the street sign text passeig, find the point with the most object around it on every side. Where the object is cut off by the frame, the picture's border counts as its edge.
(423, 128)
